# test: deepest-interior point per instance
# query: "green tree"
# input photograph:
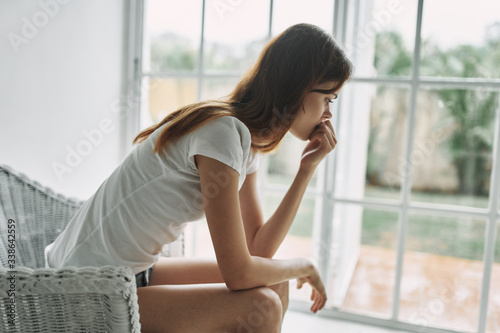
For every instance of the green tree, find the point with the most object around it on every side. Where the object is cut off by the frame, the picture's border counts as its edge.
(392, 58)
(171, 52)
(472, 111)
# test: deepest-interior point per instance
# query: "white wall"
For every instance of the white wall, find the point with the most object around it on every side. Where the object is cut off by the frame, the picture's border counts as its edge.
(62, 73)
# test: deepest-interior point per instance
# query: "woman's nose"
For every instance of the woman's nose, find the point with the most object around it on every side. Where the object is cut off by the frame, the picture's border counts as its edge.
(327, 114)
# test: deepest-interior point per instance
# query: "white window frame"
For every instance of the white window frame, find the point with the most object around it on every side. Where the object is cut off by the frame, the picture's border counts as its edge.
(325, 196)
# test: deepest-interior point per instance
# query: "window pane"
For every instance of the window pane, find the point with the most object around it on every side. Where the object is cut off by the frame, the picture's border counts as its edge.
(284, 163)
(299, 240)
(216, 88)
(442, 271)
(167, 95)
(235, 34)
(287, 13)
(493, 321)
(452, 154)
(371, 141)
(172, 35)
(370, 290)
(380, 36)
(198, 242)
(459, 49)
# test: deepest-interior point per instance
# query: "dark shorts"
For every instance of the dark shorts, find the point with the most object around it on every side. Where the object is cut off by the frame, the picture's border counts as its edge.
(142, 278)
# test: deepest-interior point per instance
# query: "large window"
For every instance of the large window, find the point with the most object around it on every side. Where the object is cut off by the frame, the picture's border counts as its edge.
(403, 216)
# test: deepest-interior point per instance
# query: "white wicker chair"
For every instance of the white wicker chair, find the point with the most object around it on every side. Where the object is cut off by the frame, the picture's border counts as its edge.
(88, 299)
(39, 216)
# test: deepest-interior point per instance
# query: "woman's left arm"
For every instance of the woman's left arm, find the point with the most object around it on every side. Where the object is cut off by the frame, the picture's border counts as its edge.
(264, 239)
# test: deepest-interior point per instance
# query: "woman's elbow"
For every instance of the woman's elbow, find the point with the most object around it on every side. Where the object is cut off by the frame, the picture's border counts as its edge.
(235, 285)
(261, 252)
(242, 285)
(239, 279)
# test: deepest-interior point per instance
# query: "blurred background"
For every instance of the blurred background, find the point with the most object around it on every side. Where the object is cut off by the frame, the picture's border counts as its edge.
(403, 216)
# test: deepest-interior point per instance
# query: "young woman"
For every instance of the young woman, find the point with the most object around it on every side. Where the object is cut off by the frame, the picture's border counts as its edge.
(201, 160)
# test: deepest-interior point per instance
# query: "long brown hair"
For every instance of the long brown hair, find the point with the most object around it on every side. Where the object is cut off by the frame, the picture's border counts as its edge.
(271, 93)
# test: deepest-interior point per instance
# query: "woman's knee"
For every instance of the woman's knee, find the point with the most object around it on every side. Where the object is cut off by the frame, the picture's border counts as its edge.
(282, 290)
(265, 314)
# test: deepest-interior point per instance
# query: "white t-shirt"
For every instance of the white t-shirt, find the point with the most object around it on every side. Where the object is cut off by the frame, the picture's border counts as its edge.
(149, 198)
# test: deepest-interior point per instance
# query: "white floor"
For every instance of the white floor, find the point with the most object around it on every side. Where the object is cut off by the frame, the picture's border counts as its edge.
(296, 322)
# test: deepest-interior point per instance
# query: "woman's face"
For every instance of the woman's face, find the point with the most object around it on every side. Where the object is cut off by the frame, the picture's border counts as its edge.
(314, 110)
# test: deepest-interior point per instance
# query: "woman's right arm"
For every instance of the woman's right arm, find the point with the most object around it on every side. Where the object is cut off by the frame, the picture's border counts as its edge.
(239, 269)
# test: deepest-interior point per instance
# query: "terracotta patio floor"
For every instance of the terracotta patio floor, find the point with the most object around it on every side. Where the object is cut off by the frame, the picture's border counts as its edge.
(436, 290)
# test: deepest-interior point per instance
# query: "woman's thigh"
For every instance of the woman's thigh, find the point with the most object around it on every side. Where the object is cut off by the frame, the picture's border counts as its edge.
(208, 308)
(179, 270)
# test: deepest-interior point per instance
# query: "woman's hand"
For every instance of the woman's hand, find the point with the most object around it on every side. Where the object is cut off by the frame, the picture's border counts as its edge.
(321, 141)
(318, 295)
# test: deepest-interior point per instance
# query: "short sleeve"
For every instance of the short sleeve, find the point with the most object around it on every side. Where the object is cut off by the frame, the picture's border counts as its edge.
(253, 162)
(225, 139)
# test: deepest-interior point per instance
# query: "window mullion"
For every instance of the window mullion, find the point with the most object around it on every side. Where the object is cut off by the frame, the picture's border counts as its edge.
(199, 75)
(434, 82)
(323, 242)
(131, 111)
(340, 21)
(202, 51)
(406, 174)
(491, 228)
(415, 206)
(270, 30)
